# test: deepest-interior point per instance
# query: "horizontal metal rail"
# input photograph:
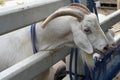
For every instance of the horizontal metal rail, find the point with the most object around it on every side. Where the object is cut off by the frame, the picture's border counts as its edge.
(33, 65)
(20, 16)
(15, 17)
(110, 20)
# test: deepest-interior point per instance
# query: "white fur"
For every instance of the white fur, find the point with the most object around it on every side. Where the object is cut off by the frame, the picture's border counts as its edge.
(64, 30)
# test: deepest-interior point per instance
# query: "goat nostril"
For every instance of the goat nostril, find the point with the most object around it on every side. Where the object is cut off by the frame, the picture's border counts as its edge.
(114, 44)
(105, 48)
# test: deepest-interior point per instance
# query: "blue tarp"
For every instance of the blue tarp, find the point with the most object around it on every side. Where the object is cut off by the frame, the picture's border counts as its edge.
(108, 67)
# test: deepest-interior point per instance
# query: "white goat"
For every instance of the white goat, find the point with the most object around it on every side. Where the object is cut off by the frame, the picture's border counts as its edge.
(71, 25)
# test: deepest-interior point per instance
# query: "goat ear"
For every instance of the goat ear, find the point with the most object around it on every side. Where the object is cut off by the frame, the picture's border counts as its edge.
(81, 39)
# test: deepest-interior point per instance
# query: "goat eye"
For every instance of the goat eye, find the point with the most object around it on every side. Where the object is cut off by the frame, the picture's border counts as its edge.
(87, 30)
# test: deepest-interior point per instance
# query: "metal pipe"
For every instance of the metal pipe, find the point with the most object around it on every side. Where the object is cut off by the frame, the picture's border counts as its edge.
(34, 65)
(110, 20)
(16, 17)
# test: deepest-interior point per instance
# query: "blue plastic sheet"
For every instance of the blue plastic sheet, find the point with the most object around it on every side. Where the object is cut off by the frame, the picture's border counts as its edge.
(108, 67)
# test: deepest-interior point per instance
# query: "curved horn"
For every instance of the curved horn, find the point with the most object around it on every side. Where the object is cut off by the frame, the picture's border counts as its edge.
(81, 7)
(63, 12)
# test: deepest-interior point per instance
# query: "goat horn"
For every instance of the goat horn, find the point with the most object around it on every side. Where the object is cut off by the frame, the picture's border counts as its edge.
(63, 12)
(81, 7)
